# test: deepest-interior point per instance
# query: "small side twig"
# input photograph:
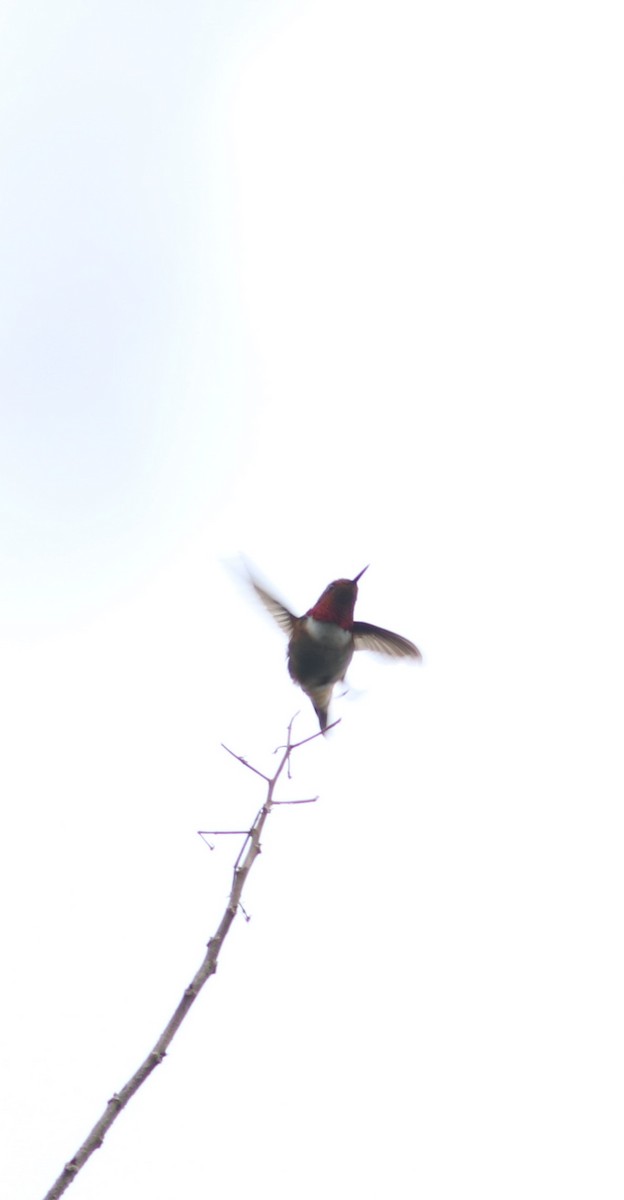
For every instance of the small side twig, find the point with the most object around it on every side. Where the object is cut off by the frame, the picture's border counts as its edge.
(244, 862)
(309, 800)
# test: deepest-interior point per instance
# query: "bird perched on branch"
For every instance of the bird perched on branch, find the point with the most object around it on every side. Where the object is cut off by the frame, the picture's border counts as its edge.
(322, 642)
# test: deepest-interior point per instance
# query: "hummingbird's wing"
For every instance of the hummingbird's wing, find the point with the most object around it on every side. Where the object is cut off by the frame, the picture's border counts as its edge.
(282, 615)
(371, 637)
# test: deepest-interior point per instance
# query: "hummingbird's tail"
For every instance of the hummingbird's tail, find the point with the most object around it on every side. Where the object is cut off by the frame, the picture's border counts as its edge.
(322, 714)
(320, 698)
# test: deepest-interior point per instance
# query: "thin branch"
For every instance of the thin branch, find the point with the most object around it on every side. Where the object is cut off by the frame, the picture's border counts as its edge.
(242, 760)
(295, 745)
(232, 832)
(249, 851)
(310, 800)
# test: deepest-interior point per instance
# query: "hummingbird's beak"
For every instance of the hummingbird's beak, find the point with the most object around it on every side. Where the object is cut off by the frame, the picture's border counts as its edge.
(361, 573)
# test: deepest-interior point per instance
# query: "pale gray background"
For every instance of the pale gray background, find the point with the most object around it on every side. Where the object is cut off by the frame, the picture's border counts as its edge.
(326, 284)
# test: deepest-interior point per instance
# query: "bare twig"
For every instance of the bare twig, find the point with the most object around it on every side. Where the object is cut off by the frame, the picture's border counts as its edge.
(244, 862)
(230, 832)
(309, 800)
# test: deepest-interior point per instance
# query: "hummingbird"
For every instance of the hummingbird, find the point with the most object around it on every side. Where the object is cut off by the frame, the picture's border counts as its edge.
(322, 642)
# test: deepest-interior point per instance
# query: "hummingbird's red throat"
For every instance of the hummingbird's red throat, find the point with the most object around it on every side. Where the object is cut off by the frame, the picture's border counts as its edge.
(336, 603)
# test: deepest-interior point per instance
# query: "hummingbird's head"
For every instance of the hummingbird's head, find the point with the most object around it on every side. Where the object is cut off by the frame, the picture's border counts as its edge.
(337, 602)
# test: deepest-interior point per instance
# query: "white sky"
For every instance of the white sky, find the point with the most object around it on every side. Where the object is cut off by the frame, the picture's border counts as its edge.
(324, 284)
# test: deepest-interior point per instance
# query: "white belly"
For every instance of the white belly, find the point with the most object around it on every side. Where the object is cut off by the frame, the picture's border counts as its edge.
(327, 633)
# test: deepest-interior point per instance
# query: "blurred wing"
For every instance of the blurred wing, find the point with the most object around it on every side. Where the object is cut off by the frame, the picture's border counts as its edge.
(279, 612)
(371, 637)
